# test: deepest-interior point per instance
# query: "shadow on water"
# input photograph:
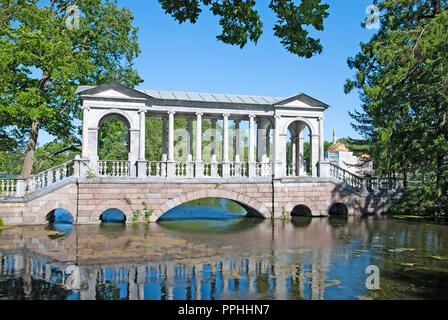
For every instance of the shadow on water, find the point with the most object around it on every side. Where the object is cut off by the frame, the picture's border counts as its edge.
(301, 222)
(112, 228)
(210, 226)
(337, 221)
(64, 229)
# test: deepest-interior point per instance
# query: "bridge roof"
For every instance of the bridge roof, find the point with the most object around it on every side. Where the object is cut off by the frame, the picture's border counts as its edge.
(212, 97)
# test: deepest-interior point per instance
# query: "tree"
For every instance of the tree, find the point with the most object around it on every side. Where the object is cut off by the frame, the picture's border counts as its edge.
(47, 50)
(241, 23)
(403, 83)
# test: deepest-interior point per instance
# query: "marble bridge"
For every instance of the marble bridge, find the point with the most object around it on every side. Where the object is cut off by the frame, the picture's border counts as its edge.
(230, 146)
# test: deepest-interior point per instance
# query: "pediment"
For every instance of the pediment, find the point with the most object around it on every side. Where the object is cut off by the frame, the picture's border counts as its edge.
(111, 90)
(301, 101)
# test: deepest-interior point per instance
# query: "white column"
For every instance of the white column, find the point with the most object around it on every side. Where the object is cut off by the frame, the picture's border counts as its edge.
(225, 148)
(251, 138)
(164, 134)
(237, 140)
(321, 139)
(278, 154)
(294, 155)
(171, 136)
(170, 166)
(214, 140)
(314, 154)
(199, 166)
(252, 166)
(301, 149)
(190, 140)
(141, 156)
(198, 156)
(85, 132)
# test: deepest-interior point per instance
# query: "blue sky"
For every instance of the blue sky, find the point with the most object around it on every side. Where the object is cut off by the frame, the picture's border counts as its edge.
(188, 57)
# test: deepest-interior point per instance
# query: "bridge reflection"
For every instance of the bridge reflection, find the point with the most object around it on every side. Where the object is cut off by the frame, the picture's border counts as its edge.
(248, 259)
(230, 278)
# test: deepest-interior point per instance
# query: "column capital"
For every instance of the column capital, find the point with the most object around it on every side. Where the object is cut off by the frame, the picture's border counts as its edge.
(252, 116)
(277, 117)
(226, 115)
(141, 111)
(85, 107)
(199, 113)
(171, 112)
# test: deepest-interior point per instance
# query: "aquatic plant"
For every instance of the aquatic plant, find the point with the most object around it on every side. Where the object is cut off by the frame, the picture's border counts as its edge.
(135, 215)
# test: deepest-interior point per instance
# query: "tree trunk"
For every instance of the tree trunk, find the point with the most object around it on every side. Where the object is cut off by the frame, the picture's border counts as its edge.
(29, 156)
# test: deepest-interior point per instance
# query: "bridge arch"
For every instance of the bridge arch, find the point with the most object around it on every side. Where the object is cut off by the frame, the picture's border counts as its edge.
(113, 215)
(50, 206)
(114, 114)
(338, 209)
(289, 121)
(253, 207)
(301, 210)
(59, 215)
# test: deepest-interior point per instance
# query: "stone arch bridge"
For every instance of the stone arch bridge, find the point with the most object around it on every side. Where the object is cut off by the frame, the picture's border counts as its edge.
(242, 156)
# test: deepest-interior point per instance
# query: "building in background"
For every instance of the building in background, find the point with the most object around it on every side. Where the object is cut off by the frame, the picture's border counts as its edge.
(339, 154)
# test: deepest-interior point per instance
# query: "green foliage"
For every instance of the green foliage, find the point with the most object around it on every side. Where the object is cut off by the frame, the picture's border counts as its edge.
(402, 79)
(91, 173)
(1, 222)
(42, 62)
(128, 201)
(114, 140)
(240, 21)
(147, 213)
(135, 215)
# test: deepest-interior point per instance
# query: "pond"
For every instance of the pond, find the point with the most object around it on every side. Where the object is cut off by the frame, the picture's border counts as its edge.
(209, 250)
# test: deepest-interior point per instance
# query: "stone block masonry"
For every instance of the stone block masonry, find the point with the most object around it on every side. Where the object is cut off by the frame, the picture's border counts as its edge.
(88, 199)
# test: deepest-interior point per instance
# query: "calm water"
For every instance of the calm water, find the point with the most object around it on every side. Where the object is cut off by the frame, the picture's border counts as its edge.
(231, 258)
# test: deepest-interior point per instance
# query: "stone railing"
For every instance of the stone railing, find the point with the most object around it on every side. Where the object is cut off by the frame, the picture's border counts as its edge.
(155, 169)
(239, 169)
(113, 168)
(361, 184)
(347, 177)
(263, 169)
(51, 176)
(8, 188)
(382, 184)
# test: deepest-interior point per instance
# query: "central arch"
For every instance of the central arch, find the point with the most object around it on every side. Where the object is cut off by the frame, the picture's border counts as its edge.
(253, 207)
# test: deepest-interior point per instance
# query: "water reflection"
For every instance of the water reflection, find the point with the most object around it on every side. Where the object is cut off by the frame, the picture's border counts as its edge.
(247, 258)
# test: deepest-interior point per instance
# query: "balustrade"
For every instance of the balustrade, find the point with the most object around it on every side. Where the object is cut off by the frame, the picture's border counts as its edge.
(112, 168)
(7, 187)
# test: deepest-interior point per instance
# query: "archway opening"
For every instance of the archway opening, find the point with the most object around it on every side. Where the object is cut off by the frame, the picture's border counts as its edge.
(59, 220)
(210, 216)
(113, 215)
(298, 149)
(59, 216)
(338, 209)
(113, 138)
(301, 210)
(210, 209)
